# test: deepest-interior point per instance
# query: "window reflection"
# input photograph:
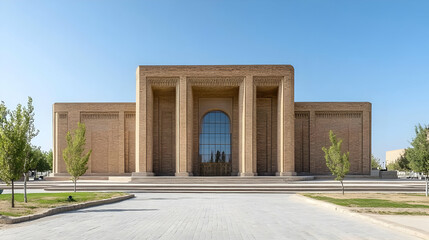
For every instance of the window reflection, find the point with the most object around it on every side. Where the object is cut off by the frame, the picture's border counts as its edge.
(215, 138)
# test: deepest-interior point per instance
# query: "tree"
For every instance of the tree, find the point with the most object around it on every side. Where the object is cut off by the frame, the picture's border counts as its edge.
(338, 164)
(76, 161)
(44, 165)
(401, 164)
(13, 142)
(393, 166)
(217, 159)
(375, 162)
(30, 133)
(404, 162)
(50, 159)
(419, 153)
(39, 160)
(223, 156)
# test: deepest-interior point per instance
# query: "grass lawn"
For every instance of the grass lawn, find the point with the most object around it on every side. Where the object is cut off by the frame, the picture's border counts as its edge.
(380, 203)
(38, 202)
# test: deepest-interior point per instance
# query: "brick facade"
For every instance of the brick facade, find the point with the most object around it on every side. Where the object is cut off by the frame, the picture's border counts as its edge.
(159, 134)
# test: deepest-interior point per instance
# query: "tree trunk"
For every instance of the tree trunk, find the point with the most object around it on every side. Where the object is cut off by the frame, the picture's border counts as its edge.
(342, 186)
(75, 185)
(25, 187)
(13, 194)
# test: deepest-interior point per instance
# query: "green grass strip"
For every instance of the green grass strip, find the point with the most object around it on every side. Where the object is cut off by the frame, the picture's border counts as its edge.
(55, 198)
(366, 202)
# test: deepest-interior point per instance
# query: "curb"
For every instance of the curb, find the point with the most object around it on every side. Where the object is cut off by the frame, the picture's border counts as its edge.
(60, 209)
(395, 226)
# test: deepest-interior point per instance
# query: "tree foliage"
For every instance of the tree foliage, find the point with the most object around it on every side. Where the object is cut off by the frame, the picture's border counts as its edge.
(50, 159)
(401, 164)
(13, 145)
(337, 163)
(375, 162)
(76, 161)
(419, 153)
(39, 160)
(30, 132)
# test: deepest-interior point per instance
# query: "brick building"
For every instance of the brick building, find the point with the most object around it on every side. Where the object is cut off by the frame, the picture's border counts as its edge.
(214, 121)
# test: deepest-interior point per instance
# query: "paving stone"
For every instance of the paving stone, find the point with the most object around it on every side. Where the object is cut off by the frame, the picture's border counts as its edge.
(202, 216)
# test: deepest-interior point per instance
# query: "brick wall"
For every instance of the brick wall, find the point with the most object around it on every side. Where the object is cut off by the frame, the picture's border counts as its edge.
(164, 132)
(313, 121)
(110, 133)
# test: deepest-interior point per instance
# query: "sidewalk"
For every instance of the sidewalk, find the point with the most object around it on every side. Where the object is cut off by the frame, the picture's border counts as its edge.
(417, 226)
(418, 223)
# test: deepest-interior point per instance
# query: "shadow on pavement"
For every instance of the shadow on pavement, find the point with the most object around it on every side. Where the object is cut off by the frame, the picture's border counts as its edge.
(115, 210)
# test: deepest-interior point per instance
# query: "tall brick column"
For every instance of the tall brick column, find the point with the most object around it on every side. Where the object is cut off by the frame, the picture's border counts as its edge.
(144, 129)
(286, 126)
(121, 147)
(366, 146)
(183, 128)
(247, 127)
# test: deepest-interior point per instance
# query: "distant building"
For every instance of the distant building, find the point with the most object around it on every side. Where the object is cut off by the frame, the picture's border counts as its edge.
(394, 155)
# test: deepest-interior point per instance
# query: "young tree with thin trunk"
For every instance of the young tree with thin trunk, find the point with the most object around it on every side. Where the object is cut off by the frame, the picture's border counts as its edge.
(419, 153)
(338, 164)
(76, 161)
(30, 132)
(12, 145)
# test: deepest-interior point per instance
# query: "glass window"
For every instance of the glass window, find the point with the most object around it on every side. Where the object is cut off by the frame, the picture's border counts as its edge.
(215, 136)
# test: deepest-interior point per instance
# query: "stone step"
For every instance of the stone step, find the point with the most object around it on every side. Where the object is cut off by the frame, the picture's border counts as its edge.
(67, 178)
(220, 180)
(234, 188)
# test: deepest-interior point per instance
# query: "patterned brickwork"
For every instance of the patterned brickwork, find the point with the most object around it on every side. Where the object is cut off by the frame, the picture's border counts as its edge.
(110, 133)
(302, 147)
(159, 134)
(164, 154)
(130, 142)
(312, 124)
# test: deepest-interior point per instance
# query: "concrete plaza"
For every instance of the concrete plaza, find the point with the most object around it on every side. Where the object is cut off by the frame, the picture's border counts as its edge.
(203, 216)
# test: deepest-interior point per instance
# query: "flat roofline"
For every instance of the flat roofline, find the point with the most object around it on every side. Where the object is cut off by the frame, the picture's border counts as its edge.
(93, 103)
(224, 70)
(218, 65)
(337, 102)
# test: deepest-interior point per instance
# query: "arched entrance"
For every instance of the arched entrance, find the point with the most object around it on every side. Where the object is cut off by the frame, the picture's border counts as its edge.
(215, 144)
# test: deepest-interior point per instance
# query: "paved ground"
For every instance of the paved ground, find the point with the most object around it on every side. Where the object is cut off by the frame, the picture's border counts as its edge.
(419, 223)
(202, 216)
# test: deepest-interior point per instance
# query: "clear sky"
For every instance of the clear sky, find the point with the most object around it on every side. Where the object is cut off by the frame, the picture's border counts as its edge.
(88, 51)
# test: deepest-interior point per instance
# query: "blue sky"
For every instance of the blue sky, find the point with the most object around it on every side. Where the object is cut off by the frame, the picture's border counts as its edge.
(88, 51)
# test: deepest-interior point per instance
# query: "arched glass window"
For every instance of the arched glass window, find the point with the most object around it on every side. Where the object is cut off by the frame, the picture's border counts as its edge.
(215, 138)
